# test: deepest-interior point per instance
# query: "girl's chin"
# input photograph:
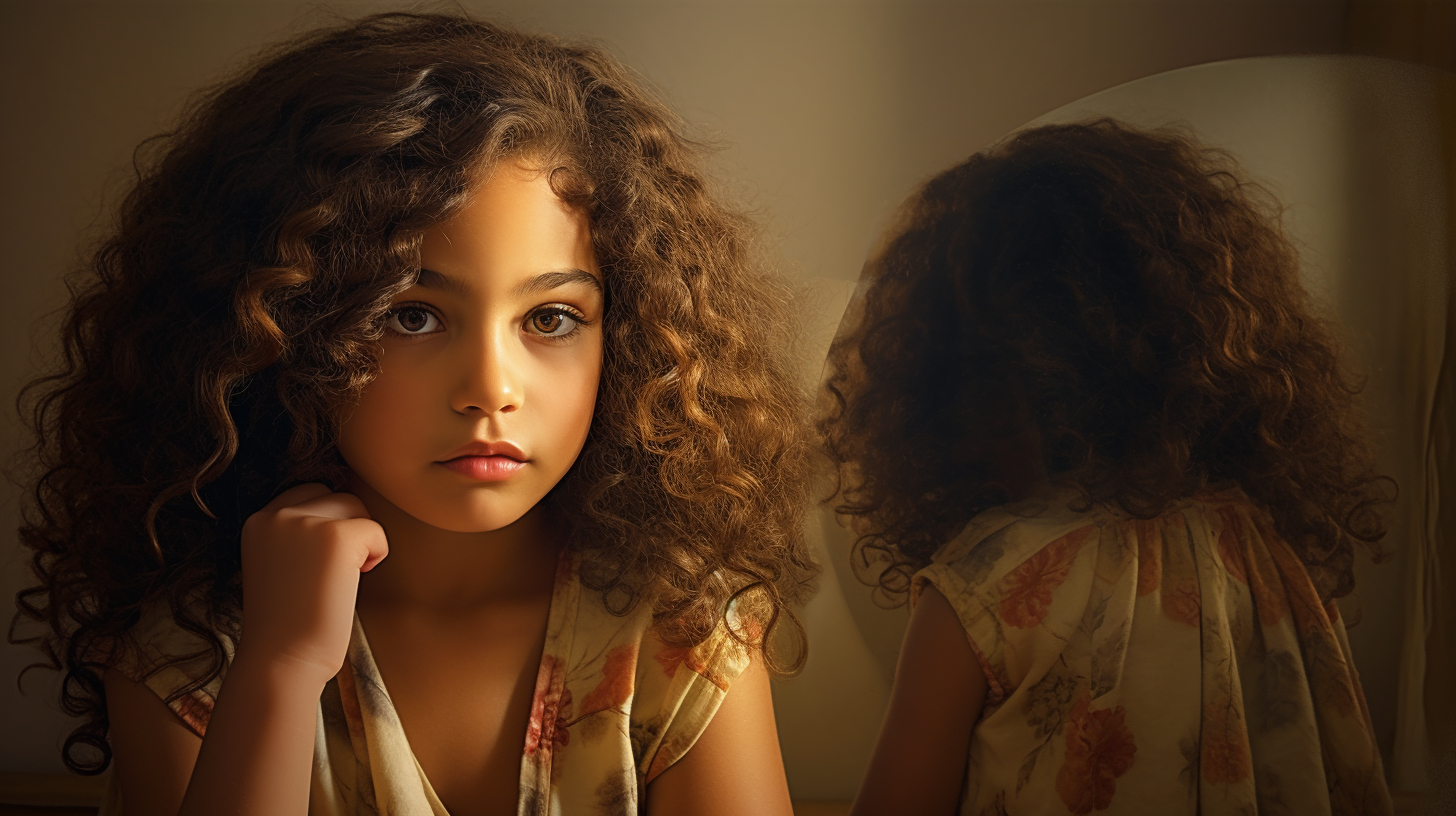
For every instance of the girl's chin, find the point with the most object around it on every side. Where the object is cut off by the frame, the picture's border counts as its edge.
(496, 516)
(479, 507)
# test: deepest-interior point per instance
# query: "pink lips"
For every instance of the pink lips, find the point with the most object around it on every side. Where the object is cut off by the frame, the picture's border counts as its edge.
(486, 461)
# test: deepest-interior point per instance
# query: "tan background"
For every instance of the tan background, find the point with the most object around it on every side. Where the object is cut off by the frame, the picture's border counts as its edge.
(829, 111)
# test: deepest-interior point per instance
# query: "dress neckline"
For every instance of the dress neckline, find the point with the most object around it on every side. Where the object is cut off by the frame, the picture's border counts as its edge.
(550, 677)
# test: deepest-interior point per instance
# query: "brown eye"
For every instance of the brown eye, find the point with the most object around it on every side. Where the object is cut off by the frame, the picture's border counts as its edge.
(555, 323)
(412, 320)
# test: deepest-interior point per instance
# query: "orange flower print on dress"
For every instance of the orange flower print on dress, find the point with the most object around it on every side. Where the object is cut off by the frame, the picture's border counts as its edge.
(751, 629)
(674, 656)
(1029, 587)
(1100, 748)
(615, 688)
(1259, 573)
(1182, 600)
(195, 710)
(546, 730)
(1225, 756)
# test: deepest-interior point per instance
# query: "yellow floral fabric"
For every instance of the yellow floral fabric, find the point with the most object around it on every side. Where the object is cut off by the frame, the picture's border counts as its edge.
(612, 709)
(1178, 665)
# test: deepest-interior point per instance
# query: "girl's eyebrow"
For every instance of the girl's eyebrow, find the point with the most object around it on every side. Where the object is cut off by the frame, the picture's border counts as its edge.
(547, 281)
(430, 279)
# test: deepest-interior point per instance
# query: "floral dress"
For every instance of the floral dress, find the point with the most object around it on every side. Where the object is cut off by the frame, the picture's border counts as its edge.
(1179, 665)
(605, 720)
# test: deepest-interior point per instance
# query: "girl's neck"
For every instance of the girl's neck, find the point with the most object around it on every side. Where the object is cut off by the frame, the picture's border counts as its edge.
(433, 570)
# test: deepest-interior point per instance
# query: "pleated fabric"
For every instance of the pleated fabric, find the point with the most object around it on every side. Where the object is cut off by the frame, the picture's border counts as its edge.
(1177, 665)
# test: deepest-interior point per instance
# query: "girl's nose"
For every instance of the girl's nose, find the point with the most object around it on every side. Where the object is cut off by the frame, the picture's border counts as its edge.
(488, 376)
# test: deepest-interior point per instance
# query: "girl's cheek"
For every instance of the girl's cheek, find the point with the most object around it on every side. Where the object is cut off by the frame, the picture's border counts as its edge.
(578, 402)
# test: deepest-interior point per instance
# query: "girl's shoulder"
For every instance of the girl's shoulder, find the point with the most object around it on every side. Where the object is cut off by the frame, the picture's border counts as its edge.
(1059, 523)
(1026, 580)
(603, 645)
(180, 656)
(604, 674)
(1001, 539)
(592, 634)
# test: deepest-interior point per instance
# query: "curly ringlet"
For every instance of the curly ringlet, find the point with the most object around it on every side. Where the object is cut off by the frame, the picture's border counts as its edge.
(214, 339)
(1118, 306)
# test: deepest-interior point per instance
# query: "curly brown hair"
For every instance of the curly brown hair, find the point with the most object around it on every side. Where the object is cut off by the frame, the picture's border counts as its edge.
(215, 337)
(1113, 309)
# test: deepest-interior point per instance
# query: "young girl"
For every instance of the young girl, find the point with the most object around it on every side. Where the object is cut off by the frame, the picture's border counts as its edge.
(1087, 421)
(449, 306)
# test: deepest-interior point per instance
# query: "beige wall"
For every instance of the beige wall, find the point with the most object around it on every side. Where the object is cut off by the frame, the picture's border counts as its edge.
(830, 112)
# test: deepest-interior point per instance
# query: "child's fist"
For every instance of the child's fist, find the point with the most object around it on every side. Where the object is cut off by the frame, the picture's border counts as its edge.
(302, 555)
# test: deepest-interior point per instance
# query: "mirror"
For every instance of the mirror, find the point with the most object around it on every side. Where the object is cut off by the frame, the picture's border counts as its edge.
(1355, 150)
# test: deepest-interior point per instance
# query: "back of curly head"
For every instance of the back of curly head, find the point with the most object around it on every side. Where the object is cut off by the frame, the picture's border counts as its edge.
(233, 314)
(1120, 309)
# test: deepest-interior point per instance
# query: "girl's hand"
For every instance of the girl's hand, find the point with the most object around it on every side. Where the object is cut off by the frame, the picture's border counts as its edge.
(302, 555)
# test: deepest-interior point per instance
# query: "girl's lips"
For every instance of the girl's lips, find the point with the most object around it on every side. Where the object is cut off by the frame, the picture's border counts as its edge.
(484, 468)
(480, 447)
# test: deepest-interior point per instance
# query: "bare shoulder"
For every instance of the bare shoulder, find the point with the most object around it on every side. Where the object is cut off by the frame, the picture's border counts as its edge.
(934, 619)
(152, 749)
(920, 760)
(735, 766)
(938, 669)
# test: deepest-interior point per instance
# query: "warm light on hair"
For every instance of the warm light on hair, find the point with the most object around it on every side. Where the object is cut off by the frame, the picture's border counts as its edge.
(215, 337)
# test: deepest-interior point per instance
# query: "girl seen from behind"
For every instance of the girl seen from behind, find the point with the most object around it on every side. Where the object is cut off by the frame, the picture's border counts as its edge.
(1087, 421)
(450, 306)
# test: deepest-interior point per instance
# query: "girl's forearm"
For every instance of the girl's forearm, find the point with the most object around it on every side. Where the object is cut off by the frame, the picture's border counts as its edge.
(257, 755)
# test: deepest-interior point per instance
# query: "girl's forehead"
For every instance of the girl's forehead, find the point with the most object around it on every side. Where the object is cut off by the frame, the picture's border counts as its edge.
(538, 175)
(513, 196)
(513, 227)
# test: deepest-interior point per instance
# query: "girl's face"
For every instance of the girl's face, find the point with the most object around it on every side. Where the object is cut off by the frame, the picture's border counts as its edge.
(490, 362)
